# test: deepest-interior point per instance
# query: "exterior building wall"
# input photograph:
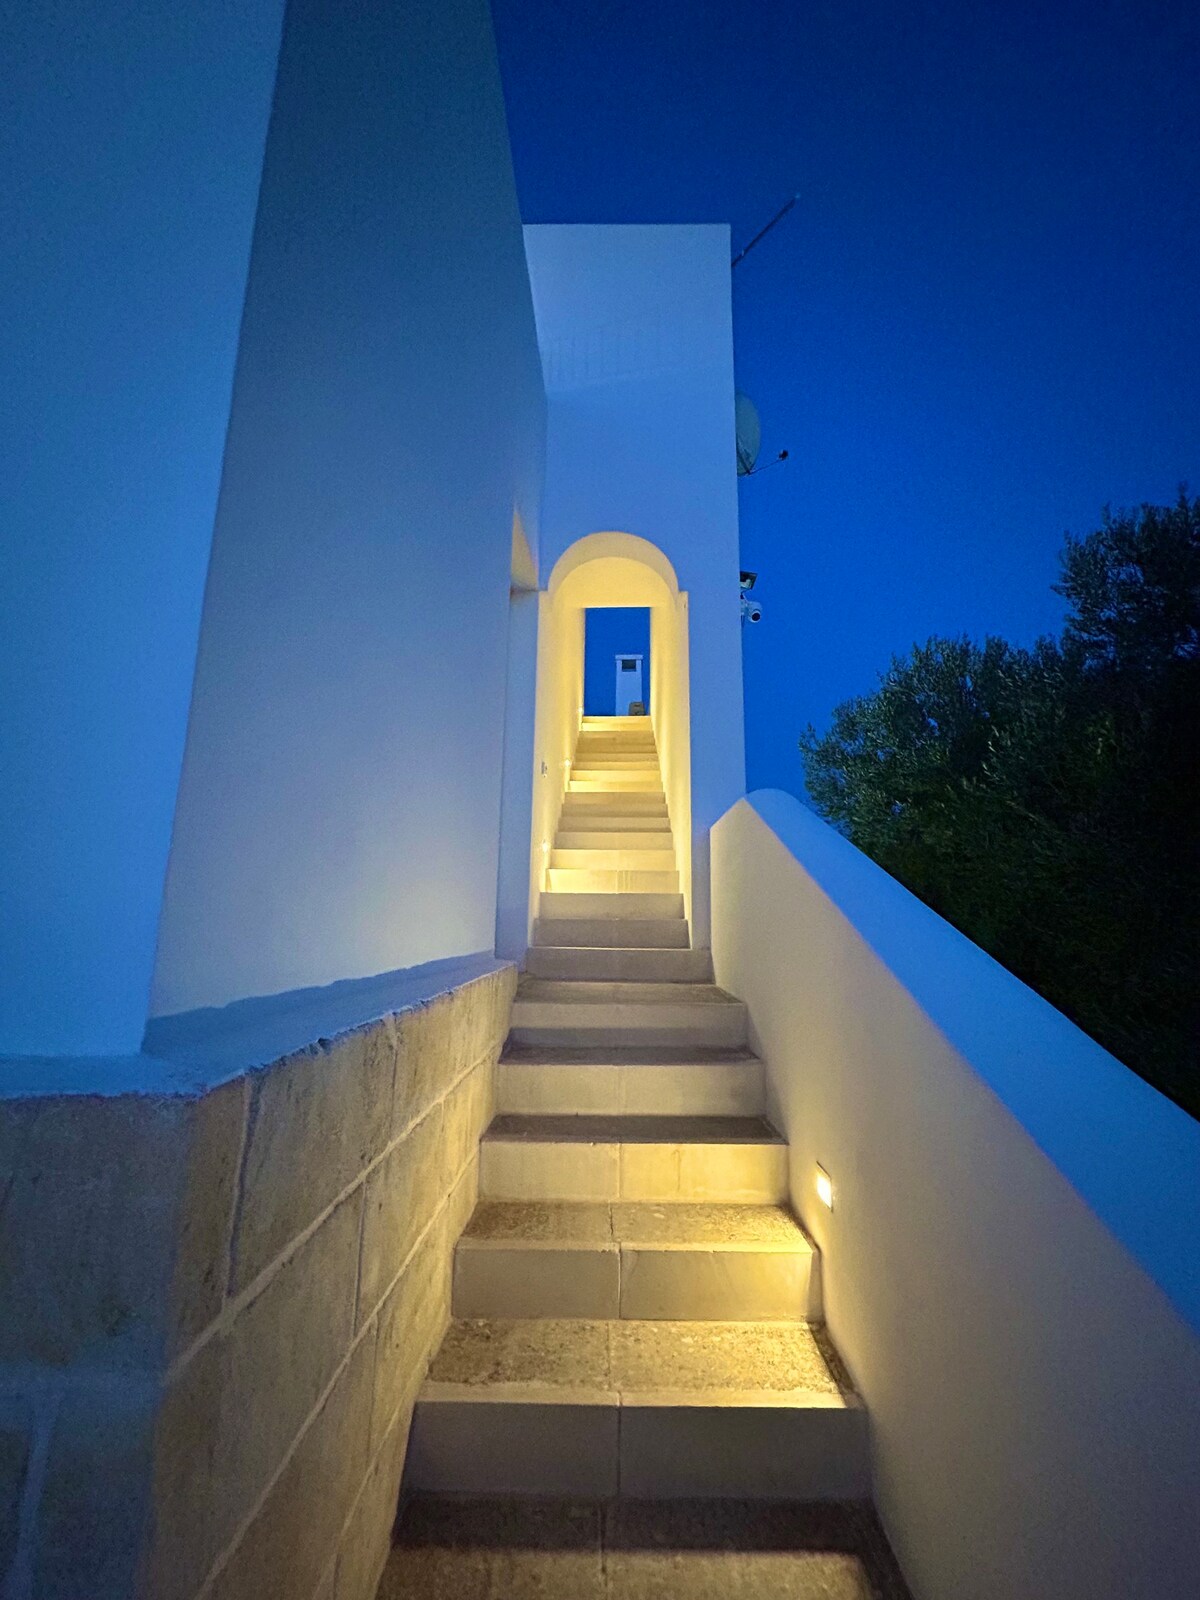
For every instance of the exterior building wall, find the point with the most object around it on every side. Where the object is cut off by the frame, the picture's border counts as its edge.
(635, 330)
(339, 809)
(220, 1299)
(1008, 1267)
(128, 189)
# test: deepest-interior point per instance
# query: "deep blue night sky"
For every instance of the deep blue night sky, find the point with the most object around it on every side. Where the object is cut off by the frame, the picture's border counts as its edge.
(979, 325)
(611, 629)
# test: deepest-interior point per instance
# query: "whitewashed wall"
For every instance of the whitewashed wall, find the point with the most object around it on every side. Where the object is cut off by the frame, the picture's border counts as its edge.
(1009, 1269)
(340, 805)
(635, 330)
(131, 167)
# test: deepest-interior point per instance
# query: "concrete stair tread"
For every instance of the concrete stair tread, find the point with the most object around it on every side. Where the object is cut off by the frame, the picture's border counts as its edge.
(641, 907)
(566, 1128)
(588, 1361)
(597, 1223)
(686, 1549)
(659, 1055)
(584, 991)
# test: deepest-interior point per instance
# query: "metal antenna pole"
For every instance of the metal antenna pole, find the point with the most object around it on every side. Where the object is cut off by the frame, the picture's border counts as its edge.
(763, 232)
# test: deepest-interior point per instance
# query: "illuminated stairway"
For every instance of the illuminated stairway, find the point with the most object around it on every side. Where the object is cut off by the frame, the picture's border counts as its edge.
(636, 1310)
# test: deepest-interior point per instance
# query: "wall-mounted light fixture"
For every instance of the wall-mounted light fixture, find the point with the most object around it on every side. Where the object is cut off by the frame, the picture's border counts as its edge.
(824, 1185)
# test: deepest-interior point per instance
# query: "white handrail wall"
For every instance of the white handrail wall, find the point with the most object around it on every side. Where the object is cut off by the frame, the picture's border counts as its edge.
(1009, 1266)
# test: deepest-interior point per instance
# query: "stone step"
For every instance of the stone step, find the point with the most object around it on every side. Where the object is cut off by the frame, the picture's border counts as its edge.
(605, 880)
(541, 1080)
(559, 960)
(553, 1011)
(617, 760)
(615, 783)
(599, 1548)
(569, 1407)
(614, 859)
(658, 933)
(704, 1160)
(624, 907)
(614, 837)
(665, 1263)
(628, 803)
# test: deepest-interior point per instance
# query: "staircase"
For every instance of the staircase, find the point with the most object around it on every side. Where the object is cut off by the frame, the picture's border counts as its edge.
(636, 1310)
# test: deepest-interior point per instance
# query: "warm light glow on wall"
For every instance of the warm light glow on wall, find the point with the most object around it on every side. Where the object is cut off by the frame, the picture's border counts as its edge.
(824, 1187)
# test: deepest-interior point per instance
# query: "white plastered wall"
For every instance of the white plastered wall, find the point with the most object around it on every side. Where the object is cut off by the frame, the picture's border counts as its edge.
(635, 331)
(340, 806)
(1009, 1265)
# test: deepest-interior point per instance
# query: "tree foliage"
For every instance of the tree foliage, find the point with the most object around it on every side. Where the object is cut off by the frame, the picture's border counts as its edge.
(1044, 800)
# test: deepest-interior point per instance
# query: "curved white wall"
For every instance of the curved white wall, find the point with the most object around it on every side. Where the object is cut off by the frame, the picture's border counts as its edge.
(635, 331)
(1009, 1269)
(339, 811)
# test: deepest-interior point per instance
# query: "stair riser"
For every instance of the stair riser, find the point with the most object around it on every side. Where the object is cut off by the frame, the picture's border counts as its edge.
(628, 803)
(618, 859)
(650, 1022)
(626, 907)
(603, 1450)
(634, 1282)
(688, 1089)
(645, 841)
(660, 966)
(626, 880)
(663, 933)
(730, 1174)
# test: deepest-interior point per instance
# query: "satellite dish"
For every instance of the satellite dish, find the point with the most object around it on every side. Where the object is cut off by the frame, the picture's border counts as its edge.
(749, 433)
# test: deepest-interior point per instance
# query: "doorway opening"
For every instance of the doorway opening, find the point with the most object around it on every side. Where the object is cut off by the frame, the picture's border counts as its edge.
(616, 661)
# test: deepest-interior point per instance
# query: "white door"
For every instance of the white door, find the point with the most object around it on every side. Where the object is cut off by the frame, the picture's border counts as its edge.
(629, 684)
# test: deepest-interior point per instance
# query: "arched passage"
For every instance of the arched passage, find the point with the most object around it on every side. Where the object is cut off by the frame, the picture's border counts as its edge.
(601, 570)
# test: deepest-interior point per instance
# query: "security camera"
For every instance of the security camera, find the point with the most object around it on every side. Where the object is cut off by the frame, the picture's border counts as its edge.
(751, 609)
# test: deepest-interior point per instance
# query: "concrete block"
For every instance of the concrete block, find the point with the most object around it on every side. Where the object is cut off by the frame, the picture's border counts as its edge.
(285, 1550)
(317, 1118)
(433, 1048)
(114, 1236)
(367, 1539)
(742, 1174)
(94, 1503)
(532, 1280)
(716, 1285)
(411, 1321)
(480, 1446)
(402, 1194)
(232, 1413)
(747, 1452)
(521, 1170)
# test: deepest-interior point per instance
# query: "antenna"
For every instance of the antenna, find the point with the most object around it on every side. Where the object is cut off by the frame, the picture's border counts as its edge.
(763, 232)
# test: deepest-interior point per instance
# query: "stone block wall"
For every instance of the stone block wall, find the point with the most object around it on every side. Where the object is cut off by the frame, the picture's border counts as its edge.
(216, 1309)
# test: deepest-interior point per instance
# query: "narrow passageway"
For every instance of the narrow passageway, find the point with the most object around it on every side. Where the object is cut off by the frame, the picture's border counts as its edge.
(635, 1395)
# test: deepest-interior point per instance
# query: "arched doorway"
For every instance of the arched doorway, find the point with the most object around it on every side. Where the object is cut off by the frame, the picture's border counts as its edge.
(610, 569)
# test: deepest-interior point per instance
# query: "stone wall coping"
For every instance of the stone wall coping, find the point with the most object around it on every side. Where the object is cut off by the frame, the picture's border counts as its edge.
(191, 1052)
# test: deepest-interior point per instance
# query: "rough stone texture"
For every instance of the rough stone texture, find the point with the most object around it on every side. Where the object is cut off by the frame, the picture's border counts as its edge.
(186, 1264)
(15, 1427)
(541, 1222)
(633, 1357)
(94, 1503)
(368, 1536)
(403, 1192)
(577, 1222)
(411, 1320)
(451, 1548)
(743, 1356)
(285, 1550)
(241, 1401)
(571, 1353)
(97, 1260)
(316, 1120)
(483, 1550)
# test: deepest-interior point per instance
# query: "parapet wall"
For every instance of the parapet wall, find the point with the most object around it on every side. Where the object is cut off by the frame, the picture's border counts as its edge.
(219, 1305)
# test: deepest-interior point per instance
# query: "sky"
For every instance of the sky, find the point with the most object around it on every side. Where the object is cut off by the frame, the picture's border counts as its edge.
(979, 325)
(609, 630)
